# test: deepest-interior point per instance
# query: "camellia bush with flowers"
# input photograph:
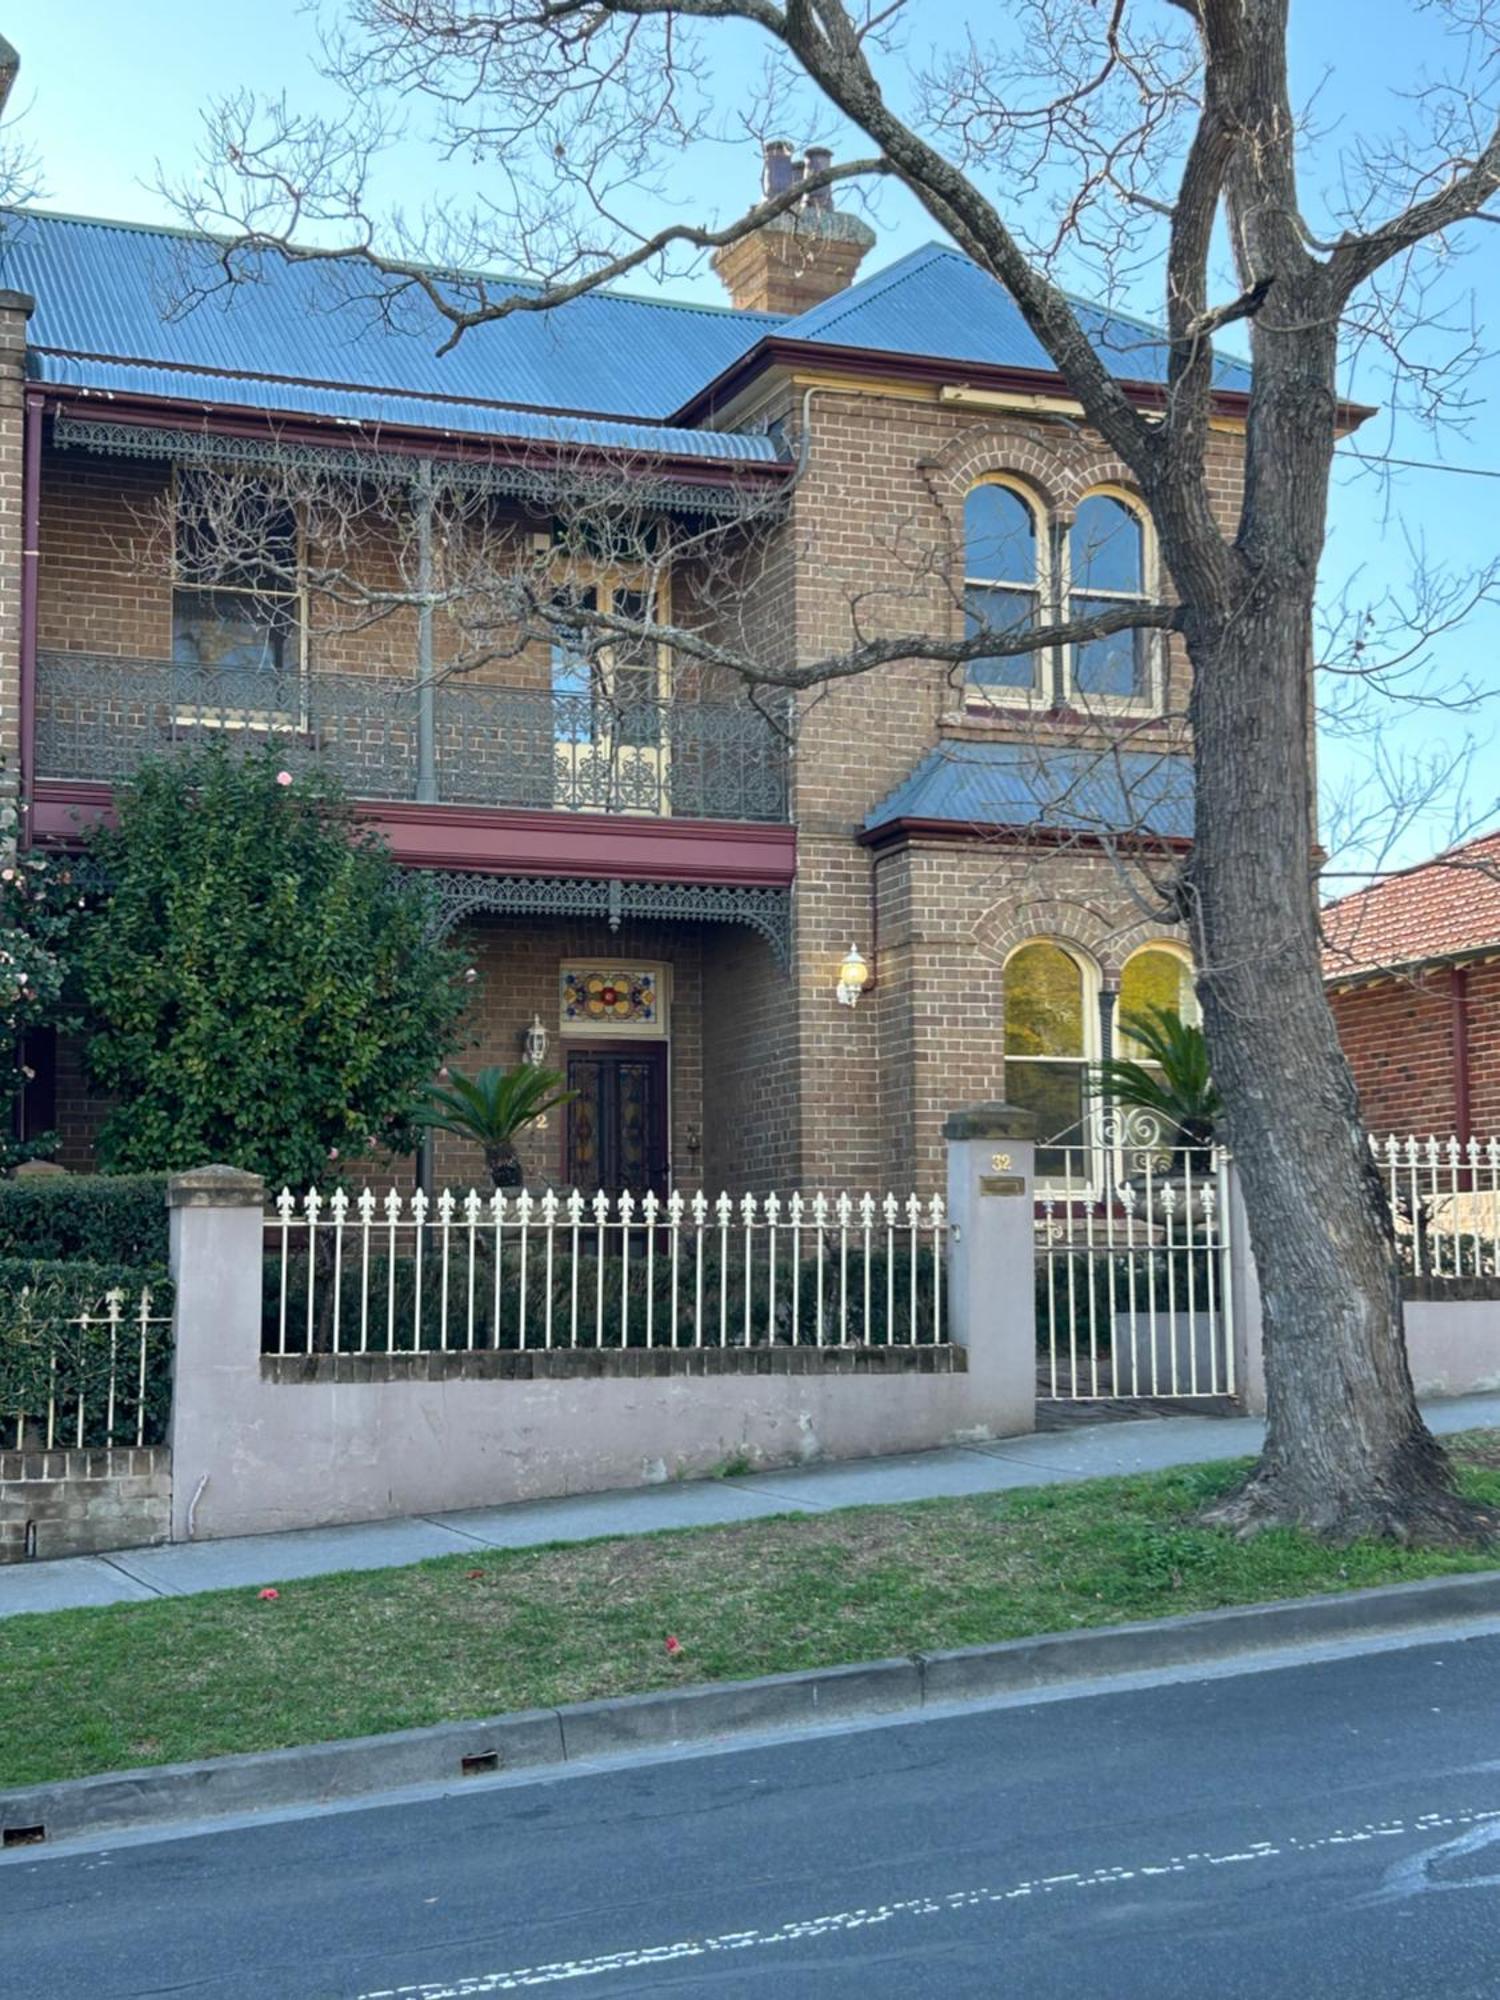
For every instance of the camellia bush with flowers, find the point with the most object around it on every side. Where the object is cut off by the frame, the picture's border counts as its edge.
(258, 980)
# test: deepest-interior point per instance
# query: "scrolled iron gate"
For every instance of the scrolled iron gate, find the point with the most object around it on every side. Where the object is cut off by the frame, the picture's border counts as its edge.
(1133, 1291)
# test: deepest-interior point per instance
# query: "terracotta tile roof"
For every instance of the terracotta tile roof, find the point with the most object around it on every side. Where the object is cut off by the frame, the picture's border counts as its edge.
(1447, 906)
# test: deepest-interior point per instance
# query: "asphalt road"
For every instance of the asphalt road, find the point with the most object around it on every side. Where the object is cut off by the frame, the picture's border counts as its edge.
(1317, 1831)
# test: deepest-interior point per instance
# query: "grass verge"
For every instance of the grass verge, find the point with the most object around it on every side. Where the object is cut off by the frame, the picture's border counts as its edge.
(355, 1655)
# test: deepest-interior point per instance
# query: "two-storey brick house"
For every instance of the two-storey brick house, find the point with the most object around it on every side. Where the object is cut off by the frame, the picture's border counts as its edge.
(672, 899)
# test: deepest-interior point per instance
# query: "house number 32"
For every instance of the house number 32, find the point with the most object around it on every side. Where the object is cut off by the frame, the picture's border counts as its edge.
(999, 1162)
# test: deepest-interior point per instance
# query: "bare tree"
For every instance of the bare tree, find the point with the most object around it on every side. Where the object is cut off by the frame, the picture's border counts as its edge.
(1118, 131)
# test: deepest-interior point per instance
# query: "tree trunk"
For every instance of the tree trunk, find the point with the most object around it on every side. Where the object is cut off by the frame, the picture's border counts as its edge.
(1347, 1452)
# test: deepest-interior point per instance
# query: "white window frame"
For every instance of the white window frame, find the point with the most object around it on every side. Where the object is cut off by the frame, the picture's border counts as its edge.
(1150, 702)
(278, 721)
(1119, 1044)
(610, 582)
(1040, 695)
(1086, 1144)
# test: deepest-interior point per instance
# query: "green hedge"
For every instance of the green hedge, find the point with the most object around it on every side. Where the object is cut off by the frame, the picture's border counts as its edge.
(105, 1219)
(77, 1380)
(884, 1329)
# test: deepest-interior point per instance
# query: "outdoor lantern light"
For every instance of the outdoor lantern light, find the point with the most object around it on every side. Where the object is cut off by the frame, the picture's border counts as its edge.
(534, 1043)
(854, 977)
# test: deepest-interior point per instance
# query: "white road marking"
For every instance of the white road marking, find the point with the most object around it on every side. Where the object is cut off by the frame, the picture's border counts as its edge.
(1472, 1827)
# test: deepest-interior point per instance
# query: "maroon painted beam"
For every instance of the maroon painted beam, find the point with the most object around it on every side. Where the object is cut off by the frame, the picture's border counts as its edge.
(499, 841)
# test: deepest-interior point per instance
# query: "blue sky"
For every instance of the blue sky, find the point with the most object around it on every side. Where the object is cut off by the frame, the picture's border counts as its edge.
(109, 93)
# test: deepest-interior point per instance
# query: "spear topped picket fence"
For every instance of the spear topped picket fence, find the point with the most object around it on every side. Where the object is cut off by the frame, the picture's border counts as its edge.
(359, 1273)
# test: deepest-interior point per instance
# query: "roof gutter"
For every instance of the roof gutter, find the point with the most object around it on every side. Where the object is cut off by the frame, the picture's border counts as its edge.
(1409, 968)
(1011, 833)
(934, 371)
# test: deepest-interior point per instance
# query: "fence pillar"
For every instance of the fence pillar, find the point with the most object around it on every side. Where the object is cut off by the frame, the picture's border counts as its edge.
(992, 1283)
(217, 1233)
(1244, 1293)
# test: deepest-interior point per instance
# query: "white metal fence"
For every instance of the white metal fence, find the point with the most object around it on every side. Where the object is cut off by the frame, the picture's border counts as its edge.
(1445, 1203)
(1132, 1275)
(367, 1273)
(98, 1378)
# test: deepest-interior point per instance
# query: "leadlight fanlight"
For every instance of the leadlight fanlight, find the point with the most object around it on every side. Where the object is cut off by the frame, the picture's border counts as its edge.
(613, 999)
(1003, 583)
(1050, 1037)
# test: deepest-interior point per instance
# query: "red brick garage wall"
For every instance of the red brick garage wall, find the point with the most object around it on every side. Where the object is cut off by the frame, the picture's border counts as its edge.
(1397, 1036)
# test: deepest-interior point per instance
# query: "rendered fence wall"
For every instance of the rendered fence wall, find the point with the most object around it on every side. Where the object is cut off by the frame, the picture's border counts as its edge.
(264, 1441)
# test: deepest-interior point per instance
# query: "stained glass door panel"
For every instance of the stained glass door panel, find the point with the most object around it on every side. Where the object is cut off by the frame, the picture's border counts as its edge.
(617, 1123)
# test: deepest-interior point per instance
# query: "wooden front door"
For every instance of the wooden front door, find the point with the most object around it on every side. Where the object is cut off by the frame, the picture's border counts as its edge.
(617, 1122)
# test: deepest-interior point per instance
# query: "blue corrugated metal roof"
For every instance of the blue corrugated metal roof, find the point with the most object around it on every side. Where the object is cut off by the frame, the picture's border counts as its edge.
(1025, 785)
(370, 412)
(316, 338)
(937, 301)
(109, 289)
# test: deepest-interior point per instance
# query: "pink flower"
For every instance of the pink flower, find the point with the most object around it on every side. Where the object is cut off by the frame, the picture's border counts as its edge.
(7, 874)
(333, 1152)
(269, 1596)
(470, 976)
(444, 1073)
(283, 777)
(674, 1647)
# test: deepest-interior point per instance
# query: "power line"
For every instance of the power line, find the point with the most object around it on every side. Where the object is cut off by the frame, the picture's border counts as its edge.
(1424, 464)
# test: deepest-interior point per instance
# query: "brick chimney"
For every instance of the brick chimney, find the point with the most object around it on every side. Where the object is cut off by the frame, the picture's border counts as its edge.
(801, 257)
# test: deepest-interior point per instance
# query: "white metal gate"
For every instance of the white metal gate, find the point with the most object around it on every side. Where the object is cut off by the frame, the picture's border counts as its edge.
(1132, 1276)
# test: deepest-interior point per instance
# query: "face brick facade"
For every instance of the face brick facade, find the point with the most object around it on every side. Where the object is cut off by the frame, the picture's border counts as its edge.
(769, 1081)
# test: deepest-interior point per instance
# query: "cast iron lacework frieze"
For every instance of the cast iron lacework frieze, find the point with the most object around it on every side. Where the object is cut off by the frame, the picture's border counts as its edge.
(534, 481)
(457, 896)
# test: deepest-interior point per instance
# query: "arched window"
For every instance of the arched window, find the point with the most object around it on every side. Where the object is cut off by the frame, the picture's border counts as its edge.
(1050, 1036)
(1158, 975)
(1107, 566)
(1002, 580)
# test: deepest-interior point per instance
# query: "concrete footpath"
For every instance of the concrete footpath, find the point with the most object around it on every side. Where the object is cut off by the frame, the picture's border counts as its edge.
(1092, 1451)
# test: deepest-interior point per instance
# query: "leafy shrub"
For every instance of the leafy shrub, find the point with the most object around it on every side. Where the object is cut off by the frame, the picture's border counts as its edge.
(106, 1219)
(260, 980)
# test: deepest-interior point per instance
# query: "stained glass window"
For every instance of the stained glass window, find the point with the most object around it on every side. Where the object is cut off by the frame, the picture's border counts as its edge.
(612, 999)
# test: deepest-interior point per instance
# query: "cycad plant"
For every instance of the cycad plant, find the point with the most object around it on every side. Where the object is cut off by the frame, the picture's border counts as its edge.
(1170, 1083)
(490, 1108)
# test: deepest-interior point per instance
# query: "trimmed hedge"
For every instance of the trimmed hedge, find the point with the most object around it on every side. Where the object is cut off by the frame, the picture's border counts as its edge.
(114, 1220)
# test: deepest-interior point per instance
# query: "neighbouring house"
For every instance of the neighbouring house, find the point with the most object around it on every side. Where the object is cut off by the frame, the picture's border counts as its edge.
(656, 872)
(1413, 971)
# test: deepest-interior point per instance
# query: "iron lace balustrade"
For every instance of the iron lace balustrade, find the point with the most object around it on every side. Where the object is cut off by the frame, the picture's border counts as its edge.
(99, 717)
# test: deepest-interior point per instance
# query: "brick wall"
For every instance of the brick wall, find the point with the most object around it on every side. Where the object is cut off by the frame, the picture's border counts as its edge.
(73, 1503)
(1398, 1037)
(799, 1089)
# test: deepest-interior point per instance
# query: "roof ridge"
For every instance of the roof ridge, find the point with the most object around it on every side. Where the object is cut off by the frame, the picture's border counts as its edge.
(177, 232)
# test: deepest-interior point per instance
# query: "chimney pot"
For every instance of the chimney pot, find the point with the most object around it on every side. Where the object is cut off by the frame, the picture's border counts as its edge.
(777, 172)
(819, 160)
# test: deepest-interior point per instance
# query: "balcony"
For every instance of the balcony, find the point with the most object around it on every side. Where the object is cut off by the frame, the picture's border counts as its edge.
(465, 745)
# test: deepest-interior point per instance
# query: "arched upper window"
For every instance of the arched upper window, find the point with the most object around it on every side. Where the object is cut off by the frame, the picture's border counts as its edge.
(1051, 1016)
(1158, 975)
(1003, 580)
(1107, 566)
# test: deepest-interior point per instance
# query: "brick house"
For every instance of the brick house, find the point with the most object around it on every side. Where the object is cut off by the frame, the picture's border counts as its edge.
(1413, 972)
(672, 901)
